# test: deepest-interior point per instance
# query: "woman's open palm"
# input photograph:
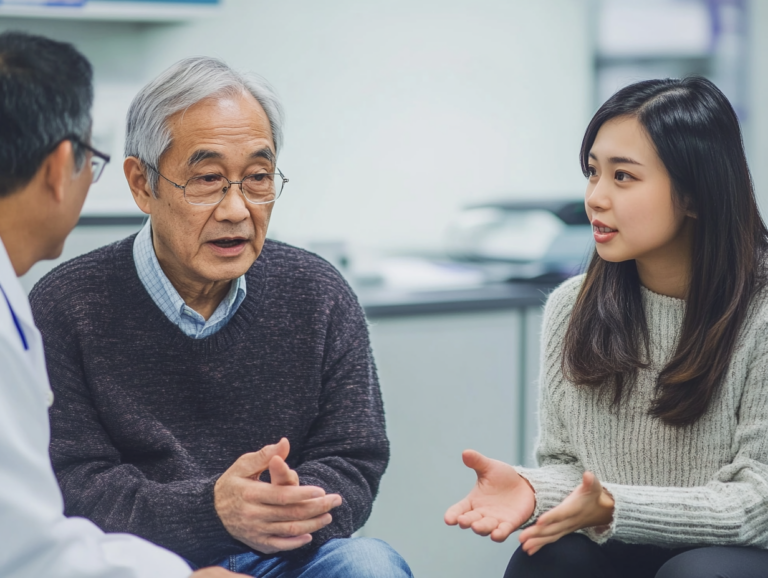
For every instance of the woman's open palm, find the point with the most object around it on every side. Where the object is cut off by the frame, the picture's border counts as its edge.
(500, 502)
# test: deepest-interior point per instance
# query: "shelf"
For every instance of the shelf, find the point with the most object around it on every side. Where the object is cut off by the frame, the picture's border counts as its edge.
(116, 11)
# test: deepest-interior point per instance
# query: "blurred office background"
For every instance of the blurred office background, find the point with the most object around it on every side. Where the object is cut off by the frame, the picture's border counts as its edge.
(431, 147)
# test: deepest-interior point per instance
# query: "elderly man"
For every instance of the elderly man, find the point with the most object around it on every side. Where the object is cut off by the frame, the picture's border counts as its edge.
(215, 391)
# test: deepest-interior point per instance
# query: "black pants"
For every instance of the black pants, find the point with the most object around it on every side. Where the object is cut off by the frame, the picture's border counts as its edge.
(576, 556)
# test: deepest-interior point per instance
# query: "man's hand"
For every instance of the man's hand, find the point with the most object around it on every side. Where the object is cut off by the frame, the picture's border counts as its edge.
(500, 502)
(587, 506)
(215, 572)
(270, 517)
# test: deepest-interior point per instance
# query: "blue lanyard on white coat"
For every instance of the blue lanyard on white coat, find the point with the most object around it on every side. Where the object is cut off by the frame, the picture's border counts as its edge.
(15, 321)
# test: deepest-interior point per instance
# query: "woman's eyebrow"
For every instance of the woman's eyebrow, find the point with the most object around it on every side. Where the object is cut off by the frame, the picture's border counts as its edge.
(618, 160)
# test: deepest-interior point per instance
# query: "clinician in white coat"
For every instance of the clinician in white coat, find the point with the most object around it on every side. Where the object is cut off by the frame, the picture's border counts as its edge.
(46, 168)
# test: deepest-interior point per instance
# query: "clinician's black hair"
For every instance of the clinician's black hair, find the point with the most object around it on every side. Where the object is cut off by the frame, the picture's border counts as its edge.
(46, 95)
(697, 137)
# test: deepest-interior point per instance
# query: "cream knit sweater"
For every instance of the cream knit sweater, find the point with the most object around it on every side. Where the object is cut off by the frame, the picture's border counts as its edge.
(703, 484)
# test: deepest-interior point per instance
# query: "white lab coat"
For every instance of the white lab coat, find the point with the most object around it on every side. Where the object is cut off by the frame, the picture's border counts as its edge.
(36, 540)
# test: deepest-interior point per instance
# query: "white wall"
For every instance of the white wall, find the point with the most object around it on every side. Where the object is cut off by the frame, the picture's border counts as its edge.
(399, 112)
(756, 132)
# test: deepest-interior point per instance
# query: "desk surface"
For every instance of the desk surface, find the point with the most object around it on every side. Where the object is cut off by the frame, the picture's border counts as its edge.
(381, 302)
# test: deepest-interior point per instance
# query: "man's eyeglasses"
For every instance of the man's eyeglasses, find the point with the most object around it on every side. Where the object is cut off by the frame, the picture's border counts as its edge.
(258, 188)
(98, 159)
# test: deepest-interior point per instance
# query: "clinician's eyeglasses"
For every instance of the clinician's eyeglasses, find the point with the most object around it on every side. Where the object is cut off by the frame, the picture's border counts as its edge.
(99, 159)
(258, 188)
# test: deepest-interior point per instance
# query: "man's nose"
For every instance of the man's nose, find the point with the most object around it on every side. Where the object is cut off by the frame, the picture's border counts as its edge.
(233, 206)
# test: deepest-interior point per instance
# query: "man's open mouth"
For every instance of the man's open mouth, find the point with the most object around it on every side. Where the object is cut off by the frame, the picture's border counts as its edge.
(227, 243)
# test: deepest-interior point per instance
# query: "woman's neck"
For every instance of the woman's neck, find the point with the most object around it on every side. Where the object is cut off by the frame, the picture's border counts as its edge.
(668, 272)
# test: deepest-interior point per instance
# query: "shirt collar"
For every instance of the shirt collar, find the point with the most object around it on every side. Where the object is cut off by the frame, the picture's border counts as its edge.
(165, 295)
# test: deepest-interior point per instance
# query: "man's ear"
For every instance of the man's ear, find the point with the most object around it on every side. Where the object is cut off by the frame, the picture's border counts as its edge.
(139, 184)
(57, 169)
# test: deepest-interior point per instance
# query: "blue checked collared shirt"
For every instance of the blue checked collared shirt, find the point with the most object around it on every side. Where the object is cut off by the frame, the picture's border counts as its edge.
(168, 299)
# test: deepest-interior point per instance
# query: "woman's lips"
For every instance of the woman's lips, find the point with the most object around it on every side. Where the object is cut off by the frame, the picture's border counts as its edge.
(602, 232)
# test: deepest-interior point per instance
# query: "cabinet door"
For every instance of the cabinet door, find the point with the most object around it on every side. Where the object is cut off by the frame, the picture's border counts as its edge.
(449, 382)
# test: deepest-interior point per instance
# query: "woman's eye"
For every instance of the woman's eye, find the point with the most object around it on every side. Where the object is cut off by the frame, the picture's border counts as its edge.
(621, 176)
(591, 171)
(210, 178)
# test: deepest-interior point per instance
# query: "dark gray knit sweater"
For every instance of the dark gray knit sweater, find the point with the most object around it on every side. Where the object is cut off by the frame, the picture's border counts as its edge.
(146, 419)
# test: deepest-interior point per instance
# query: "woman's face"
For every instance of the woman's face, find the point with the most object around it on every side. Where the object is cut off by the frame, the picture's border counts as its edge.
(629, 197)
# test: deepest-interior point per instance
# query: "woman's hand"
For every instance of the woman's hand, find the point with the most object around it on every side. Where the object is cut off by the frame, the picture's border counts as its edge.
(500, 502)
(587, 506)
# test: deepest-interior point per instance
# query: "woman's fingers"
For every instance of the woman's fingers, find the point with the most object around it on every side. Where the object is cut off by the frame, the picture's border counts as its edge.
(459, 509)
(469, 518)
(549, 530)
(533, 546)
(568, 509)
(485, 526)
(591, 484)
(502, 532)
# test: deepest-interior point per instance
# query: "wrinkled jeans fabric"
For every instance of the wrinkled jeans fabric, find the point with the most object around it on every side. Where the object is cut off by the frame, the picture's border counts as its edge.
(339, 558)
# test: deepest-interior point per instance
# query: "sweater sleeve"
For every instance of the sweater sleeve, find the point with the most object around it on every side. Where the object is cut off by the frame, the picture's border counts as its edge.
(560, 470)
(730, 510)
(346, 450)
(117, 496)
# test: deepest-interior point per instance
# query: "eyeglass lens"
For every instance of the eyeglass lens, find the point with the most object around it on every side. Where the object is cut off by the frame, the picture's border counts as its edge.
(97, 167)
(259, 188)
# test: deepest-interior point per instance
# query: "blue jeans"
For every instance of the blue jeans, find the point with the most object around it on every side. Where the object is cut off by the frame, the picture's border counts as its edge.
(339, 558)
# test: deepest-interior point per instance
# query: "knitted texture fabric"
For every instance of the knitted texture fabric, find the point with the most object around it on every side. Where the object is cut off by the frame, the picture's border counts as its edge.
(703, 484)
(146, 419)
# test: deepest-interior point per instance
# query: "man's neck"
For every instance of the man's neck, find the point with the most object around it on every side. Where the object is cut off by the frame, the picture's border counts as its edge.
(202, 296)
(17, 230)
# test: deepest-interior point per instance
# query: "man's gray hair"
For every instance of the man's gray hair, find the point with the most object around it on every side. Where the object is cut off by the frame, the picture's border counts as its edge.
(184, 84)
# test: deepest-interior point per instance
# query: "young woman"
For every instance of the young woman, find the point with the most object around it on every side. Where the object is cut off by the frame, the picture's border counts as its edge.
(653, 449)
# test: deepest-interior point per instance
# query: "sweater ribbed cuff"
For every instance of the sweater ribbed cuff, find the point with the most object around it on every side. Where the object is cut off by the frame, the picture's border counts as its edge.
(676, 517)
(551, 485)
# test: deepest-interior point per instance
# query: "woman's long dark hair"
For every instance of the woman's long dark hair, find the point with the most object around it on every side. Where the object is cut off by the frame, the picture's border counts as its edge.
(697, 137)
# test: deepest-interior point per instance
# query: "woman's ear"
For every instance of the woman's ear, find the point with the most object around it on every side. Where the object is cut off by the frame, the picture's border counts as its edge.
(686, 205)
(139, 184)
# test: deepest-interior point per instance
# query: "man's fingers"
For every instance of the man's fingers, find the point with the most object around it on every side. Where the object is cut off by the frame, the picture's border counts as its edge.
(281, 544)
(292, 528)
(272, 495)
(252, 464)
(283, 448)
(452, 514)
(280, 474)
(304, 510)
(215, 572)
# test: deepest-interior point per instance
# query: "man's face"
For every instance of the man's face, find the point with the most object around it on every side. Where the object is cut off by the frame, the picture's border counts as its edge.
(76, 185)
(229, 136)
